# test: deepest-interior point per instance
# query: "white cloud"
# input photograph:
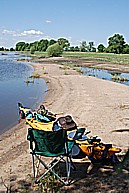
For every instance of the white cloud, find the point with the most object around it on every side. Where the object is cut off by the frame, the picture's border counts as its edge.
(25, 33)
(8, 38)
(9, 32)
(32, 32)
(48, 21)
(47, 37)
(29, 33)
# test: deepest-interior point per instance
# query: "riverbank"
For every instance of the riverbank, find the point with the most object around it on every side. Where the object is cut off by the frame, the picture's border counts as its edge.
(100, 106)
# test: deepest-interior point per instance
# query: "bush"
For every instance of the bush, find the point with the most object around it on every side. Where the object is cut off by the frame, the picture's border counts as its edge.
(32, 50)
(54, 50)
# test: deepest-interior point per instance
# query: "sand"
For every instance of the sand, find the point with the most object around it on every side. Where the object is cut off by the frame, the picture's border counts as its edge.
(101, 106)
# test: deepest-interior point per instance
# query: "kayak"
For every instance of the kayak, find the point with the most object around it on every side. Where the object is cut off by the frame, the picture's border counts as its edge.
(27, 113)
(40, 125)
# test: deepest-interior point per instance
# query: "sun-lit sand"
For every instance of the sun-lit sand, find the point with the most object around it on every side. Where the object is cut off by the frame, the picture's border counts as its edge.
(99, 105)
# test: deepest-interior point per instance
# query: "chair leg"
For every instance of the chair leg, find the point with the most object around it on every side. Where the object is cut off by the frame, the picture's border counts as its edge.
(33, 167)
(68, 169)
(49, 168)
(71, 164)
(37, 167)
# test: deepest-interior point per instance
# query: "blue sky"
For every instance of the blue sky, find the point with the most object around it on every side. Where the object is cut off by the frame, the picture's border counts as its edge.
(75, 20)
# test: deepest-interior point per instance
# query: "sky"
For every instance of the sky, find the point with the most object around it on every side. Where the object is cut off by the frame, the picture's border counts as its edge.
(75, 20)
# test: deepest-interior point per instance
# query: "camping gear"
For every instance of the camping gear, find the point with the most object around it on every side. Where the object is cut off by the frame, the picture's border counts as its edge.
(42, 111)
(24, 112)
(41, 115)
(41, 118)
(100, 152)
(67, 123)
(97, 151)
(53, 145)
(40, 125)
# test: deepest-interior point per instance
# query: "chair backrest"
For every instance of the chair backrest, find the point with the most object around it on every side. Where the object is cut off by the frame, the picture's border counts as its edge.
(48, 143)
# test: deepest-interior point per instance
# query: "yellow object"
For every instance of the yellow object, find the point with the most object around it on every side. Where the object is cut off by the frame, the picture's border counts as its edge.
(25, 110)
(84, 145)
(40, 125)
(98, 150)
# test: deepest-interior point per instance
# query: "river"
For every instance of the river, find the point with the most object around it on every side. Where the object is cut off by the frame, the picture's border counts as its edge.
(14, 89)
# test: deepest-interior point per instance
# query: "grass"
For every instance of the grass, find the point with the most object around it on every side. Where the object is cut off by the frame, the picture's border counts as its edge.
(35, 76)
(40, 54)
(100, 57)
(119, 78)
(122, 59)
(48, 184)
(78, 70)
(29, 81)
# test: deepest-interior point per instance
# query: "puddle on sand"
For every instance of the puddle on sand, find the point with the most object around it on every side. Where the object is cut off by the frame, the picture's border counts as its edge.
(119, 77)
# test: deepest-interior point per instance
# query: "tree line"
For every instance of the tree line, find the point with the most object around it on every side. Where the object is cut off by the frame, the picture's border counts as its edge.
(116, 45)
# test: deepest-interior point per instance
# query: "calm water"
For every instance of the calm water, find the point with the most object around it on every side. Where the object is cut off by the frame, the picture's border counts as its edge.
(104, 74)
(13, 89)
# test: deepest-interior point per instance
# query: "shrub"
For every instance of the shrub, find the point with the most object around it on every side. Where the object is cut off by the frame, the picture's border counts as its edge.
(54, 50)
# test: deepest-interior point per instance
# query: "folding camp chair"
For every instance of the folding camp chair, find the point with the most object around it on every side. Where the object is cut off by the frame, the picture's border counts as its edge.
(50, 144)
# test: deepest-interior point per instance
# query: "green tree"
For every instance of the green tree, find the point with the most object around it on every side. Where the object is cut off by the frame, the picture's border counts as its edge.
(32, 50)
(19, 46)
(35, 44)
(71, 49)
(6, 49)
(27, 47)
(101, 48)
(51, 42)
(43, 45)
(64, 43)
(126, 49)
(91, 47)
(2, 49)
(116, 44)
(11, 49)
(54, 50)
(76, 49)
(83, 47)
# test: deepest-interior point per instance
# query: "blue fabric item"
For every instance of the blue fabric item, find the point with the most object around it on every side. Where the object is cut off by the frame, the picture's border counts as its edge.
(41, 118)
(29, 116)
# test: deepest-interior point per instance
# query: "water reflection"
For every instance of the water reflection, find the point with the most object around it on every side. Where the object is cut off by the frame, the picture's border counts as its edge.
(119, 77)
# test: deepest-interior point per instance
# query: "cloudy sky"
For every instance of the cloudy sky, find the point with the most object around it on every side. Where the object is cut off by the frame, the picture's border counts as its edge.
(75, 20)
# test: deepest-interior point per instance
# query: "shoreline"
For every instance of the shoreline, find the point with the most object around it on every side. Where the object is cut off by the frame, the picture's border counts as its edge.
(100, 106)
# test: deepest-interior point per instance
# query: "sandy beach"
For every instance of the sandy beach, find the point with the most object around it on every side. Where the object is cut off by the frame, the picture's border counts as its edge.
(100, 106)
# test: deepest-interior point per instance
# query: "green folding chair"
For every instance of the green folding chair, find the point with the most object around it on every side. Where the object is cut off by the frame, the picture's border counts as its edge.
(50, 144)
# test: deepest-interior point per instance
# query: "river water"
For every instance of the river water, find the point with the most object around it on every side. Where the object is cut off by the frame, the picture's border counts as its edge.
(13, 89)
